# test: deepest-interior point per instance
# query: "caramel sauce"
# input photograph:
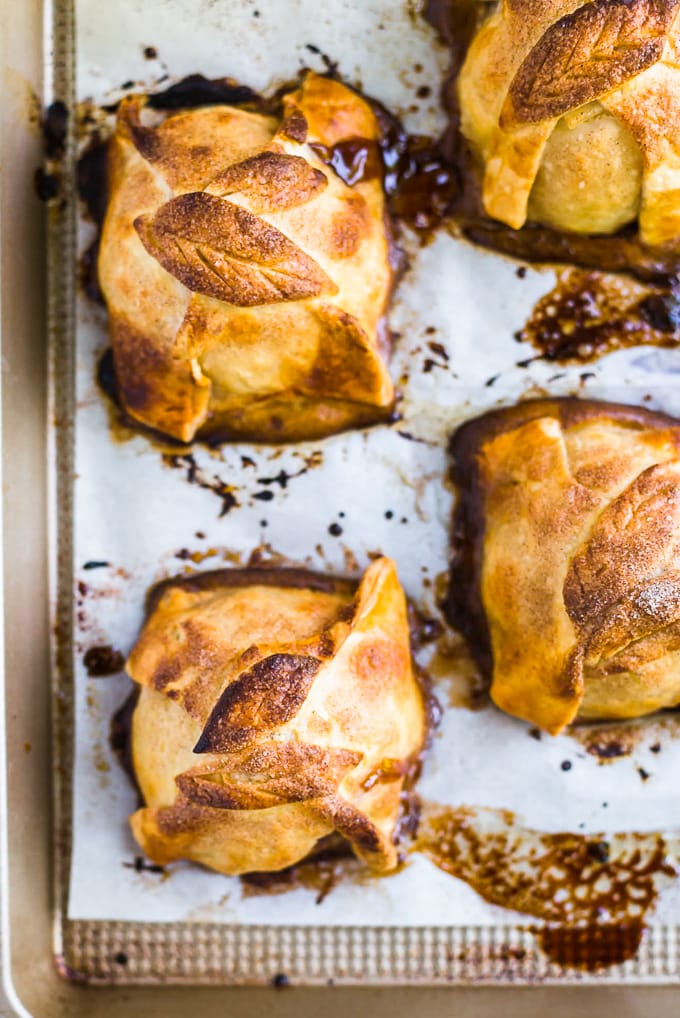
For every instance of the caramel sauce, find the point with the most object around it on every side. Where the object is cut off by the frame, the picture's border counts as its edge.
(354, 160)
(591, 947)
(592, 892)
(120, 737)
(418, 182)
(588, 314)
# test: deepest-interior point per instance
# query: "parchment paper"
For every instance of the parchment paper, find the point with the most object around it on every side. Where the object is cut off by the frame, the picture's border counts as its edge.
(386, 491)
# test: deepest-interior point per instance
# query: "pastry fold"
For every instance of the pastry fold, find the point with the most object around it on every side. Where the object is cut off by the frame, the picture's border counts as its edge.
(276, 708)
(573, 111)
(246, 282)
(566, 559)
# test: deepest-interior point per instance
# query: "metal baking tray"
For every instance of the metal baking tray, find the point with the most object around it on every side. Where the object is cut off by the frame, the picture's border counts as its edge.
(50, 961)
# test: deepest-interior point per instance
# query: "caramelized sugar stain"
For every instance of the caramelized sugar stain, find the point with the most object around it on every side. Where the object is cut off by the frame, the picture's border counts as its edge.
(454, 673)
(196, 475)
(588, 314)
(329, 867)
(609, 741)
(593, 892)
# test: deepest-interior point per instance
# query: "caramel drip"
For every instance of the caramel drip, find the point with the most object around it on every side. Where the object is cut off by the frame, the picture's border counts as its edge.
(592, 892)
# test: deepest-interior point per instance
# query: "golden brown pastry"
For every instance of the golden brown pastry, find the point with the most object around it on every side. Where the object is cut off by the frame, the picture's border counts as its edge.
(573, 111)
(246, 282)
(566, 566)
(277, 707)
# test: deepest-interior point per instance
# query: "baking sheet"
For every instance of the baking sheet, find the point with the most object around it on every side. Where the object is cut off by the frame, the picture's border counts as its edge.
(385, 488)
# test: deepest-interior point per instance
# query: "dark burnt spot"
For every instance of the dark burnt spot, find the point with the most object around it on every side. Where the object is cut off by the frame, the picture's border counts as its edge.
(141, 865)
(102, 661)
(55, 128)
(423, 629)
(196, 90)
(645, 775)
(92, 179)
(599, 850)
(295, 127)
(106, 376)
(88, 273)
(196, 475)
(120, 737)
(120, 958)
(566, 765)
(280, 981)
(46, 184)
(429, 365)
(96, 564)
(282, 478)
(325, 647)
(607, 749)
(662, 311)
(335, 530)
(263, 496)
(439, 349)
(150, 52)
(591, 947)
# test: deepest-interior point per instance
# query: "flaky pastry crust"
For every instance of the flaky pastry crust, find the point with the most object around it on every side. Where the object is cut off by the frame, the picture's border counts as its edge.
(276, 707)
(566, 564)
(246, 283)
(573, 110)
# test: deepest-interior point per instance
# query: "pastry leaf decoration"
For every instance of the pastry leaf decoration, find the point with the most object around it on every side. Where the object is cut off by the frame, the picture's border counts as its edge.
(271, 181)
(266, 696)
(587, 54)
(271, 774)
(224, 251)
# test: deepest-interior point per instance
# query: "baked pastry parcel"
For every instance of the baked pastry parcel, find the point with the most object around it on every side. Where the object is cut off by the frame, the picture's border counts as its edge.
(573, 112)
(246, 282)
(276, 708)
(566, 562)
